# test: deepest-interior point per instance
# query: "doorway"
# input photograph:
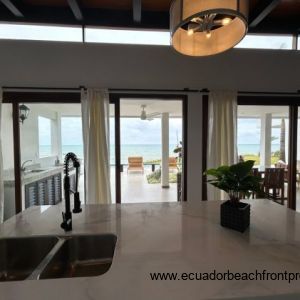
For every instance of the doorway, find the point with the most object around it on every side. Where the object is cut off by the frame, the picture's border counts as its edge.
(279, 140)
(148, 143)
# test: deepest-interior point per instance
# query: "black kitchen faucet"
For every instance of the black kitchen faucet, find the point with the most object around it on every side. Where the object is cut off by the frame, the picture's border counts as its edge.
(67, 215)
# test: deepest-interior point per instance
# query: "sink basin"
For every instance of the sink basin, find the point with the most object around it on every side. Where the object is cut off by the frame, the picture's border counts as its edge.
(81, 256)
(19, 257)
(55, 257)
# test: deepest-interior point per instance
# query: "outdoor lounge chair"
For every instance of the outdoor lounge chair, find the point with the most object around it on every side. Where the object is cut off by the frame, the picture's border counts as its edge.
(136, 164)
(173, 163)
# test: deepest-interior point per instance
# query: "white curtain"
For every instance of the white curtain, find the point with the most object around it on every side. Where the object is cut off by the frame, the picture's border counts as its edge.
(222, 134)
(1, 168)
(95, 126)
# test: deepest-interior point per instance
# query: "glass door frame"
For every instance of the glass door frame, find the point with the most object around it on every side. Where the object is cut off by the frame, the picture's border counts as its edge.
(115, 99)
(292, 102)
(18, 97)
(64, 96)
(265, 99)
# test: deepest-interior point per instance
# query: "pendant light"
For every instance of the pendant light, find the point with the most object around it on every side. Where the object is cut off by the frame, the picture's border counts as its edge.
(207, 27)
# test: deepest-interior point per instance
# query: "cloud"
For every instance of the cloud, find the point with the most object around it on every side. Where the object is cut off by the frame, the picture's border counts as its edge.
(133, 131)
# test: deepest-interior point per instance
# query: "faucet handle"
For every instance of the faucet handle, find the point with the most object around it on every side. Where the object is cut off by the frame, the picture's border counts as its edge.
(77, 204)
(67, 222)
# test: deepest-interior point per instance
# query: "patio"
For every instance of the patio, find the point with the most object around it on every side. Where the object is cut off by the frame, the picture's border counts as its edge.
(136, 189)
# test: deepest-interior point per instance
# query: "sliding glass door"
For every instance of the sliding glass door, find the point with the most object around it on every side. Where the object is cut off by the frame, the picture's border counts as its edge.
(263, 136)
(151, 149)
(47, 134)
(148, 148)
(269, 134)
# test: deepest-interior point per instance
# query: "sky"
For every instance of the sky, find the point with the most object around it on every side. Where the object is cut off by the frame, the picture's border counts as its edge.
(133, 131)
(249, 131)
(136, 131)
(102, 35)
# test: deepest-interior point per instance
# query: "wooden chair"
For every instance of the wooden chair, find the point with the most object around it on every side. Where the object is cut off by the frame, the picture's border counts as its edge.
(274, 182)
(136, 164)
(257, 195)
(173, 163)
(283, 165)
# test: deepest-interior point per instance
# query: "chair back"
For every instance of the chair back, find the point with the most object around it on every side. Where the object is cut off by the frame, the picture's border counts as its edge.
(274, 178)
(135, 161)
(281, 164)
(255, 172)
(172, 162)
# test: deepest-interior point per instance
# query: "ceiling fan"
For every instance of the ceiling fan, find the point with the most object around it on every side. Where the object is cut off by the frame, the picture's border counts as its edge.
(149, 117)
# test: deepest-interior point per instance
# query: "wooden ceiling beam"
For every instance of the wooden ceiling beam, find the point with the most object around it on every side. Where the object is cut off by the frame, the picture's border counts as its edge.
(92, 17)
(12, 7)
(264, 8)
(137, 10)
(74, 5)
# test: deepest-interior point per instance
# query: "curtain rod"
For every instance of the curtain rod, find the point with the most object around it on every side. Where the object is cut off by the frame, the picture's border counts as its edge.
(119, 90)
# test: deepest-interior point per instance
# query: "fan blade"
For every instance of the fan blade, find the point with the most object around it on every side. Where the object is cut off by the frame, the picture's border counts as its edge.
(153, 115)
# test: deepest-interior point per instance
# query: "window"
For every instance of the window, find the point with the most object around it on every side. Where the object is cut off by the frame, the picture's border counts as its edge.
(40, 32)
(114, 36)
(45, 144)
(255, 41)
(123, 36)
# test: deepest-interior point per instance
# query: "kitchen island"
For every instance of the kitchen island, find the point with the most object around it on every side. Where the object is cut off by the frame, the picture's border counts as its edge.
(168, 237)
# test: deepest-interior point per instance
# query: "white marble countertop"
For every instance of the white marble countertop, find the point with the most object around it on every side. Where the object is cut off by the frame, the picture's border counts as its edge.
(168, 237)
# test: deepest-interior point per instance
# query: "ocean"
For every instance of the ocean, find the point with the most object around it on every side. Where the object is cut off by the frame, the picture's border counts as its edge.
(148, 151)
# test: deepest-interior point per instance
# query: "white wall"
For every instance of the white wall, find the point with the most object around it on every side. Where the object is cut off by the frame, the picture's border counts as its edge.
(125, 66)
(150, 67)
(29, 134)
(7, 136)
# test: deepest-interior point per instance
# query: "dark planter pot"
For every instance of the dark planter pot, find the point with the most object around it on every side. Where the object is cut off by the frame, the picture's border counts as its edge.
(235, 216)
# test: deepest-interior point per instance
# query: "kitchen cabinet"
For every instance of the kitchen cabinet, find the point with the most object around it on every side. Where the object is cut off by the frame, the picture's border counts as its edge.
(46, 191)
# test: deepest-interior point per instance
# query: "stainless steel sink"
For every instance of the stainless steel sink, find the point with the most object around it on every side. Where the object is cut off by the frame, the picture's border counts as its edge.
(20, 256)
(56, 257)
(82, 256)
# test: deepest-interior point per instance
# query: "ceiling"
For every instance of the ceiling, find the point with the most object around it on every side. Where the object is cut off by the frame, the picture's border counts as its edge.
(132, 107)
(253, 111)
(265, 16)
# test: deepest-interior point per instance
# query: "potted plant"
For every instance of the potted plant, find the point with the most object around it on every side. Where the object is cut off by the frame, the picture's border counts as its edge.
(238, 182)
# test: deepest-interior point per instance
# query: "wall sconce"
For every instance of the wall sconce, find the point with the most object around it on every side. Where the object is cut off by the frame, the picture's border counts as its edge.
(23, 112)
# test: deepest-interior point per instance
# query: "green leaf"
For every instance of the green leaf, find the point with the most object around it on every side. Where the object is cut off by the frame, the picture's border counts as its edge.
(237, 178)
(242, 169)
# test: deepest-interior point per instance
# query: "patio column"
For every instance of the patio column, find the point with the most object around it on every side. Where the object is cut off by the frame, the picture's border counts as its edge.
(165, 150)
(56, 136)
(265, 141)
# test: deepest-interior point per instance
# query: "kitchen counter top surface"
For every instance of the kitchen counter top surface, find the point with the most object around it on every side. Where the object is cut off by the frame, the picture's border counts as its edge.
(168, 237)
(30, 177)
